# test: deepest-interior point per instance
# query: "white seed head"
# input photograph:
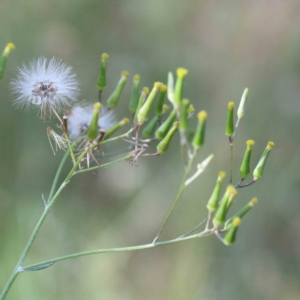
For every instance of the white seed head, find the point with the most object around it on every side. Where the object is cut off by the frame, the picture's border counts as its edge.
(47, 85)
(80, 117)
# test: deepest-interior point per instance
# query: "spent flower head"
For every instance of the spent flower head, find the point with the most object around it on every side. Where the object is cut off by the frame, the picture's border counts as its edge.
(80, 117)
(48, 85)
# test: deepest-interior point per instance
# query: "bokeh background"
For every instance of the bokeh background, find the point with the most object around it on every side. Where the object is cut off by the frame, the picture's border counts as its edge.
(226, 46)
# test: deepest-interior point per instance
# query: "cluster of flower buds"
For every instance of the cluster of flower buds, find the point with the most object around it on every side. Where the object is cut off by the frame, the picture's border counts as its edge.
(53, 89)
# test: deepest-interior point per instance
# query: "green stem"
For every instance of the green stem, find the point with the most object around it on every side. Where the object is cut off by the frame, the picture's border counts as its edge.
(179, 193)
(18, 267)
(58, 172)
(103, 165)
(122, 249)
(118, 137)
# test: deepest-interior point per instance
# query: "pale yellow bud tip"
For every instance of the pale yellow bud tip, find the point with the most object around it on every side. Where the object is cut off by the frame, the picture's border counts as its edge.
(146, 90)
(236, 221)
(125, 74)
(191, 109)
(126, 121)
(222, 174)
(104, 56)
(163, 88)
(97, 106)
(231, 105)
(271, 144)
(185, 101)
(157, 85)
(181, 72)
(250, 143)
(202, 115)
(254, 201)
(136, 77)
(10, 46)
(231, 190)
(165, 107)
(176, 125)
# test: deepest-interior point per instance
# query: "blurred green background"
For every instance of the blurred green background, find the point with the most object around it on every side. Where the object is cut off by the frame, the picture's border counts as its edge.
(226, 46)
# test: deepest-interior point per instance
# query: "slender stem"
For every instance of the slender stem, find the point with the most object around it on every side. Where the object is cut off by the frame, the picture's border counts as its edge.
(179, 193)
(231, 161)
(194, 229)
(70, 148)
(118, 137)
(103, 165)
(121, 249)
(18, 267)
(58, 172)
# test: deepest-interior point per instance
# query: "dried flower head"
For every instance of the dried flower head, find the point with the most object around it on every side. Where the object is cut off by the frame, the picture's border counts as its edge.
(49, 85)
(80, 117)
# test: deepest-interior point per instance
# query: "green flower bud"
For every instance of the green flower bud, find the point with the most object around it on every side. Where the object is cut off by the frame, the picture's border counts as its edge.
(163, 129)
(144, 112)
(241, 109)
(160, 102)
(199, 136)
(113, 99)
(181, 74)
(220, 216)
(149, 130)
(134, 100)
(245, 166)
(184, 115)
(163, 146)
(213, 201)
(114, 128)
(258, 171)
(241, 213)
(101, 83)
(229, 123)
(9, 47)
(145, 92)
(92, 132)
(230, 236)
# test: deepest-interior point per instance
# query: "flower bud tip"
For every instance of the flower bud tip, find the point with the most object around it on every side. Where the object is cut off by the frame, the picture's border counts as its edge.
(157, 85)
(202, 115)
(222, 174)
(250, 143)
(136, 77)
(181, 72)
(125, 74)
(163, 88)
(271, 144)
(97, 105)
(10, 46)
(231, 105)
(104, 56)
(254, 201)
(146, 90)
(236, 221)
(126, 121)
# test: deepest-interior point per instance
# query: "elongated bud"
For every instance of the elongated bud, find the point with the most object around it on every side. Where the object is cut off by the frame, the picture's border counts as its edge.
(181, 74)
(113, 99)
(199, 136)
(241, 109)
(171, 93)
(258, 171)
(92, 132)
(220, 216)
(164, 128)
(163, 146)
(229, 123)
(241, 213)
(114, 128)
(9, 47)
(184, 115)
(144, 112)
(134, 100)
(245, 166)
(213, 201)
(101, 83)
(161, 98)
(149, 130)
(230, 236)
(145, 92)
